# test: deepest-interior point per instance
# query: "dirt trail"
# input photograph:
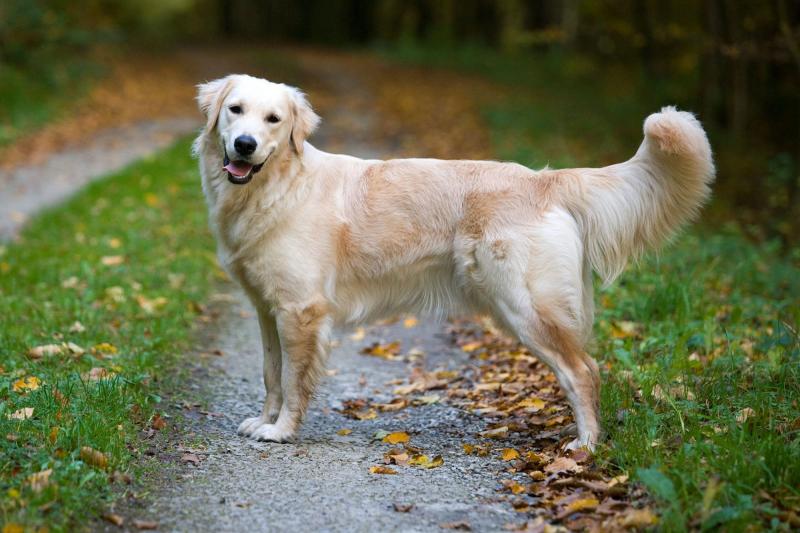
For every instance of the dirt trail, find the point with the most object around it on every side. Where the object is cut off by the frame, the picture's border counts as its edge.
(25, 190)
(322, 482)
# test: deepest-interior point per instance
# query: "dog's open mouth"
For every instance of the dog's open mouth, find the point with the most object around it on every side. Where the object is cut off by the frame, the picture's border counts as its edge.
(240, 172)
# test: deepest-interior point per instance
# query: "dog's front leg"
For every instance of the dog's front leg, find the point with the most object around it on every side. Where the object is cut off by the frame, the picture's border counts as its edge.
(304, 332)
(271, 345)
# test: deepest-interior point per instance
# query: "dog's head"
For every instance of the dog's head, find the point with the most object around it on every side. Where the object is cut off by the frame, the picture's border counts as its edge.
(255, 121)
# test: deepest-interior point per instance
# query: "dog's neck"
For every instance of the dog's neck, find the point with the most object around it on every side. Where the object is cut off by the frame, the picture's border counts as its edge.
(239, 211)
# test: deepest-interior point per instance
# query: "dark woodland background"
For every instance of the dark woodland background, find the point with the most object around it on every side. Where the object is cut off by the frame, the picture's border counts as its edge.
(735, 63)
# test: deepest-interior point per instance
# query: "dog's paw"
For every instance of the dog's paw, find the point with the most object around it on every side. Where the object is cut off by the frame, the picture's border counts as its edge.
(577, 444)
(249, 425)
(272, 433)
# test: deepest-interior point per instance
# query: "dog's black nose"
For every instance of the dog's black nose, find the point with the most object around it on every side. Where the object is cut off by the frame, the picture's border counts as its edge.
(245, 144)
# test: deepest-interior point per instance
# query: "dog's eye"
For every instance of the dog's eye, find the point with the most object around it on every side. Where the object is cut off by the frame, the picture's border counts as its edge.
(273, 118)
(235, 109)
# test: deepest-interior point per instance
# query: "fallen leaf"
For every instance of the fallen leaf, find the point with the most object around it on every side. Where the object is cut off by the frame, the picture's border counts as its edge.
(561, 465)
(93, 457)
(496, 433)
(21, 414)
(151, 306)
(40, 480)
(158, 423)
(104, 348)
(358, 334)
(410, 322)
(402, 507)
(509, 454)
(12, 527)
(744, 414)
(397, 437)
(471, 346)
(29, 383)
(461, 525)
(423, 461)
(343, 432)
(115, 519)
(45, 350)
(639, 518)
(378, 469)
(191, 458)
(395, 405)
(577, 506)
(112, 260)
(384, 351)
(624, 329)
(145, 524)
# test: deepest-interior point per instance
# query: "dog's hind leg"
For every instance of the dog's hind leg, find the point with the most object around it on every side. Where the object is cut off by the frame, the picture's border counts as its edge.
(541, 292)
(304, 337)
(271, 345)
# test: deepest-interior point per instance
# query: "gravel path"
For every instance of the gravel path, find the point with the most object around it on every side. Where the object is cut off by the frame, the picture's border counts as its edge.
(322, 481)
(26, 190)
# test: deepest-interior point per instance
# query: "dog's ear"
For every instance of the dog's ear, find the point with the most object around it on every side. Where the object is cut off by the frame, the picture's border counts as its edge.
(305, 121)
(210, 97)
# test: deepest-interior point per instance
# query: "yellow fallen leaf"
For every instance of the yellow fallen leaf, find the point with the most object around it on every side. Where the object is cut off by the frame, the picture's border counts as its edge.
(624, 329)
(104, 348)
(514, 487)
(584, 504)
(40, 480)
(12, 527)
(534, 402)
(114, 242)
(382, 470)
(424, 461)
(344, 431)
(94, 457)
(410, 322)
(29, 383)
(21, 414)
(471, 346)
(509, 454)
(151, 199)
(397, 437)
(639, 518)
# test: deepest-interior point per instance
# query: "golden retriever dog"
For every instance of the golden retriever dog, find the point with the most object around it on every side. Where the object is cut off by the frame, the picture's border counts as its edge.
(318, 240)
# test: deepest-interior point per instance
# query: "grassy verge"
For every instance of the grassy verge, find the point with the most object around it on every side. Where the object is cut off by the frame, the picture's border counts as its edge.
(117, 272)
(699, 345)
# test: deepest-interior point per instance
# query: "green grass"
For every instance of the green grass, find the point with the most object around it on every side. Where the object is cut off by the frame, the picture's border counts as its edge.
(692, 339)
(136, 316)
(31, 98)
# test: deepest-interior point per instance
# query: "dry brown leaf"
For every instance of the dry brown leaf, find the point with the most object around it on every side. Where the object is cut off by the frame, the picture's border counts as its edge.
(158, 422)
(115, 519)
(21, 414)
(744, 414)
(191, 458)
(460, 525)
(561, 465)
(496, 433)
(402, 507)
(145, 524)
(384, 351)
(40, 480)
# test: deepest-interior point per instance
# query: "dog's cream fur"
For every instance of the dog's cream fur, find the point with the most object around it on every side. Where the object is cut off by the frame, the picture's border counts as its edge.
(319, 239)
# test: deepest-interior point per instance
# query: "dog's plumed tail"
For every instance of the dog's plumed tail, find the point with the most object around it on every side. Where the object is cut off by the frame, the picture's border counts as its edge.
(625, 209)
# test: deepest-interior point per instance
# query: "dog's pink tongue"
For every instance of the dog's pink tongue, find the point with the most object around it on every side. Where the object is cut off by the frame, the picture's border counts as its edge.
(238, 168)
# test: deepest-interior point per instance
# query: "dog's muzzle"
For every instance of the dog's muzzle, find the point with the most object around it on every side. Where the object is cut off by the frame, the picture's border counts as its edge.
(240, 172)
